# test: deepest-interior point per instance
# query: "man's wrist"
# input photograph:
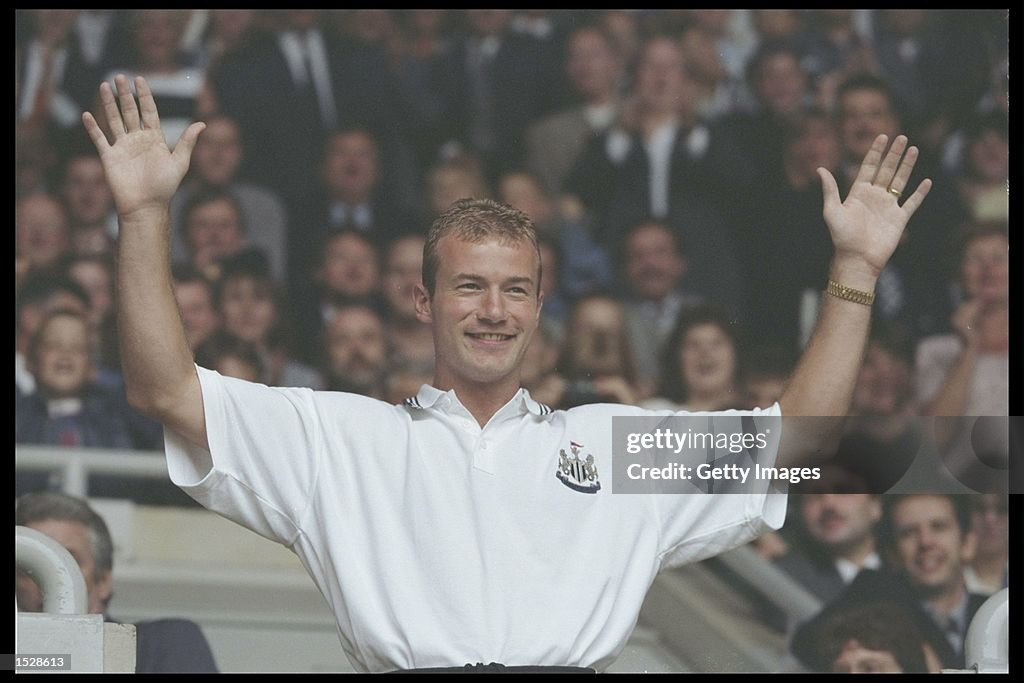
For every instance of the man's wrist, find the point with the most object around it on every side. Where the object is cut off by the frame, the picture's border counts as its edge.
(853, 274)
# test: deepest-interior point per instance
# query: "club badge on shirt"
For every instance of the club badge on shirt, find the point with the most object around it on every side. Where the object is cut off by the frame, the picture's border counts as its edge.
(578, 474)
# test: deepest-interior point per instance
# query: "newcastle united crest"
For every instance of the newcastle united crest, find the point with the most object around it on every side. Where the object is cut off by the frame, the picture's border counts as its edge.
(579, 475)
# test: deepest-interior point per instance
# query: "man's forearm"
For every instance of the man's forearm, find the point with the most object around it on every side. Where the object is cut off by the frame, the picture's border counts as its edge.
(822, 384)
(155, 355)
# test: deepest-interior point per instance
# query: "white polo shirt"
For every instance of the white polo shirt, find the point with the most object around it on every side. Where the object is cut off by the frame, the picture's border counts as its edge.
(440, 543)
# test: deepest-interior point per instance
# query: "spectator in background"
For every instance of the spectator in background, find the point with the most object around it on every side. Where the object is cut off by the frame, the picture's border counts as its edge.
(225, 31)
(928, 538)
(783, 301)
(967, 372)
(457, 178)
(985, 170)
(584, 267)
(41, 236)
(356, 351)
(661, 161)
(655, 269)
(95, 275)
(352, 199)
(89, 204)
(505, 82)
(834, 541)
(213, 230)
(595, 364)
(250, 309)
(407, 337)
(163, 645)
(40, 294)
(156, 39)
(194, 294)
(874, 638)
(988, 571)
(215, 163)
(68, 408)
(231, 356)
(50, 88)
(596, 73)
(833, 49)
(700, 364)
(349, 272)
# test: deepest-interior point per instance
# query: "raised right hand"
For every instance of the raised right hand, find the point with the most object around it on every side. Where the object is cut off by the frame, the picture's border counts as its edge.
(143, 174)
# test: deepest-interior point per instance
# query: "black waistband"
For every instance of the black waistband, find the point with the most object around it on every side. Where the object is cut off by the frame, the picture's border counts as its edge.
(495, 668)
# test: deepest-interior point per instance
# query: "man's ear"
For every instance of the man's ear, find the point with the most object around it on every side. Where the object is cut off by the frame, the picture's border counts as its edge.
(540, 303)
(968, 547)
(421, 299)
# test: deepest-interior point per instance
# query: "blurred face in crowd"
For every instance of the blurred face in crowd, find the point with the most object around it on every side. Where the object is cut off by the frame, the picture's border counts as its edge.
(857, 659)
(989, 157)
(883, 384)
(662, 85)
(157, 33)
(356, 347)
(231, 365)
(484, 310)
(218, 152)
(86, 192)
(990, 522)
(350, 167)
(929, 544)
(708, 360)
(549, 269)
(864, 114)
(214, 231)
(985, 268)
(74, 536)
(247, 308)
(230, 25)
(98, 283)
(403, 271)
(654, 267)
(195, 301)
(816, 146)
(41, 231)
(840, 522)
(781, 83)
(523, 192)
(592, 66)
(540, 360)
(597, 331)
(62, 365)
(350, 266)
(448, 184)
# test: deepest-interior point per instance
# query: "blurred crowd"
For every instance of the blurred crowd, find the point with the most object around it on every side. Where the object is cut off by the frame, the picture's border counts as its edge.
(667, 157)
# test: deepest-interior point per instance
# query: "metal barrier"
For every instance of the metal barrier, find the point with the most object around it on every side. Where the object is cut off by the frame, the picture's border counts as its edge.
(53, 569)
(76, 464)
(987, 646)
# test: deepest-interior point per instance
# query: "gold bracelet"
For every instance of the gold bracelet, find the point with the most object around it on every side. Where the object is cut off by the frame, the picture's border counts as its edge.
(857, 296)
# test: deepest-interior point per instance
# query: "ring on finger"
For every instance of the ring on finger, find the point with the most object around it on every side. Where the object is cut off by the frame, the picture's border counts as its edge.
(894, 192)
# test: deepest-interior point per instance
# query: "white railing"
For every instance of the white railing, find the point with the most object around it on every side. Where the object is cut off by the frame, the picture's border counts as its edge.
(53, 569)
(74, 465)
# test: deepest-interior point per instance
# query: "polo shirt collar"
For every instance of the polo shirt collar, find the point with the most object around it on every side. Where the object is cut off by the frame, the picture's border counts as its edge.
(432, 397)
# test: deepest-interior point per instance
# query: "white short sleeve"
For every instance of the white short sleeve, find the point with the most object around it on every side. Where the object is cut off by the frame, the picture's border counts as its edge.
(265, 445)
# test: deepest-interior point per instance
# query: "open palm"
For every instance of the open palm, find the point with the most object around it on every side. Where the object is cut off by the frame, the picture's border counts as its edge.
(868, 225)
(142, 172)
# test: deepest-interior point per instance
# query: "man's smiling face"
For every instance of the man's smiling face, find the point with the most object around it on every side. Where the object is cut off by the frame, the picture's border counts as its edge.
(484, 309)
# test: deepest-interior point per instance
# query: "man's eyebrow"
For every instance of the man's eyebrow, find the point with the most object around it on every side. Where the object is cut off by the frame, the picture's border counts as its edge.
(519, 279)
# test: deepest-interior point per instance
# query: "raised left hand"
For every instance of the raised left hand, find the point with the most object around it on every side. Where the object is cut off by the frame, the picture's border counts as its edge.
(867, 226)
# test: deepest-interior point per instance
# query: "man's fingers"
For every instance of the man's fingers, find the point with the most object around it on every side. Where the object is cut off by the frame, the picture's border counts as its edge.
(869, 168)
(95, 134)
(914, 201)
(147, 105)
(112, 112)
(829, 189)
(129, 112)
(899, 181)
(887, 171)
(187, 142)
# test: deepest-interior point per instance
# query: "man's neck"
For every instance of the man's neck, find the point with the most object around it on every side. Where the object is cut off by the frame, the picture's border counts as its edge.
(947, 600)
(859, 552)
(481, 400)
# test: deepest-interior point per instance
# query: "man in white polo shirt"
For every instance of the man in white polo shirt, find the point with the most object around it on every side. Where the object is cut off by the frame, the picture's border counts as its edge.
(470, 524)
